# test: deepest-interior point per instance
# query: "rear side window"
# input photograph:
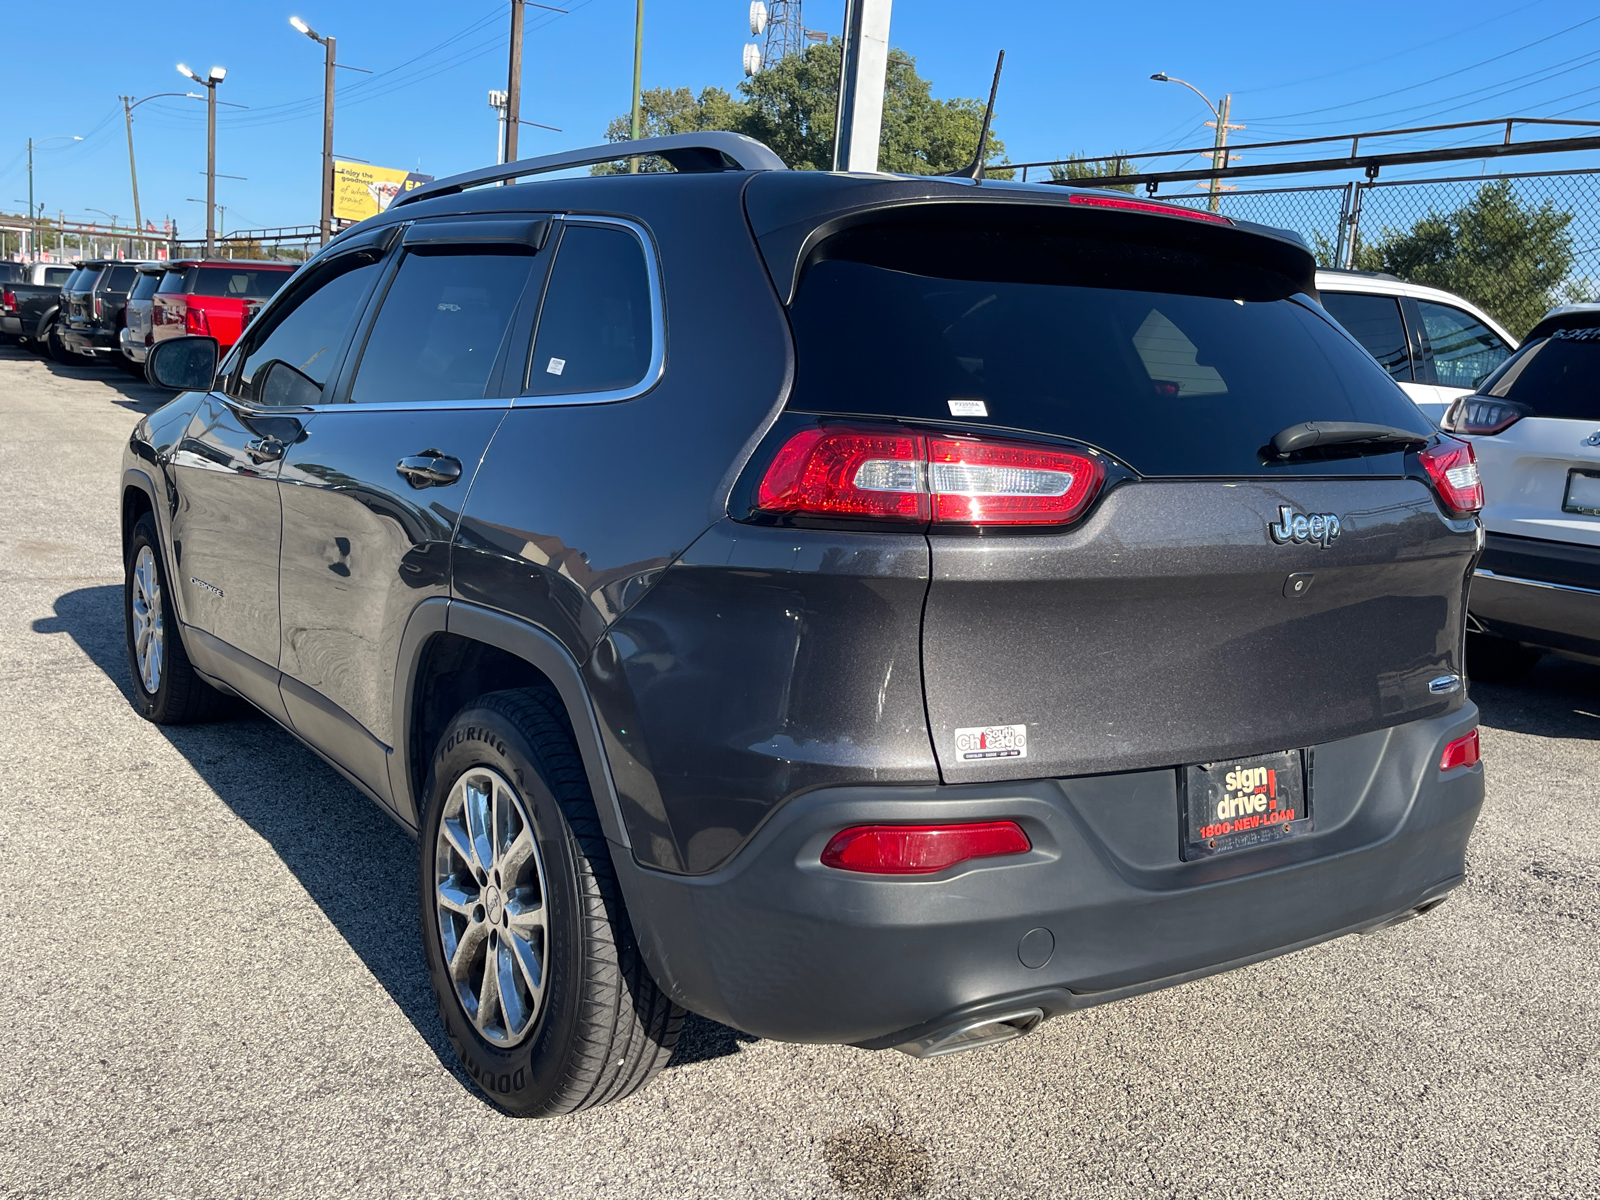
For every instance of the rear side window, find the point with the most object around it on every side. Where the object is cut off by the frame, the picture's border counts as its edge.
(1464, 348)
(1557, 376)
(594, 326)
(241, 282)
(439, 331)
(1374, 321)
(57, 274)
(116, 279)
(144, 287)
(172, 283)
(1179, 364)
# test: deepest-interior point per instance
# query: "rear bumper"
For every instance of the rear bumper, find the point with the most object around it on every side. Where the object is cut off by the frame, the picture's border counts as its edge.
(1545, 593)
(91, 343)
(133, 348)
(12, 325)
(782, 947)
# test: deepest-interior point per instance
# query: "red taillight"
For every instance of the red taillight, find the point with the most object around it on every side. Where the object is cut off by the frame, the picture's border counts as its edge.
(1483, 415)
(1145, 206)
(8, 300)
(1453, 467)
(1463, 752)
(896, 474)
(194, 321)
(99, 308)
(921, 849)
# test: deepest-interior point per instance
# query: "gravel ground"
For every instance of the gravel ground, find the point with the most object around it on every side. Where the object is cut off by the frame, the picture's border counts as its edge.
(218, 990)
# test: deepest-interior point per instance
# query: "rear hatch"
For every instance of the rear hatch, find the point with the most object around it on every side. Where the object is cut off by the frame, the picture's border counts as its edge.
(79, 295)
(111, 294)
(223, 298)
(1168, 624)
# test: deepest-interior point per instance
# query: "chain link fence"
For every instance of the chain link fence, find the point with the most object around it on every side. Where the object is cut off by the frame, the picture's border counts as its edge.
(1514, 244)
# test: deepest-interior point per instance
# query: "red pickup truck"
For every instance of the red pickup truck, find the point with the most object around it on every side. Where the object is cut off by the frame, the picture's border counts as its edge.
(213, 297)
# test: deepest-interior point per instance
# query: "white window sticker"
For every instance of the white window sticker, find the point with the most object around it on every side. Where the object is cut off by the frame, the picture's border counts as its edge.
(556, 366)
(991, 741)
(968, 408)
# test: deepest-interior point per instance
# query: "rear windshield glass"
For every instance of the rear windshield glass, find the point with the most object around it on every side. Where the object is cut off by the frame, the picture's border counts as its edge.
(56, 274)
(1557, 376)
(70, 284)
(144, 287)
(1178, 364)
(12, 272)
(85, 280)
(243, 282)
(116, 279)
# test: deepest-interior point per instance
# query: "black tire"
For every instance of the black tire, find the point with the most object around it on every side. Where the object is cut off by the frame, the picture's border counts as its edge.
(57, 349)
(1498, 660)
(603, 1028)
(129, 367)
(180, 696)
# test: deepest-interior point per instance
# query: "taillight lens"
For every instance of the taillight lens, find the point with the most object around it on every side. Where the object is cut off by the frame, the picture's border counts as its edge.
(1463, 752)
(900, 475)
(99, 308)
(1453, 467)
(8, 300)
(1145, 206)
(921, 849)
(1483, 415)
(194, 321)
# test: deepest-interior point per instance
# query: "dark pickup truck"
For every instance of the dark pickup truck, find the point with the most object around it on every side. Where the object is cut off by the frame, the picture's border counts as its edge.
(94, 309)
(30, 294)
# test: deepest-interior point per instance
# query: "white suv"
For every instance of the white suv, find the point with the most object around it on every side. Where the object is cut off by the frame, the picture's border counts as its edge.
(1435, 345)
(1535, 424)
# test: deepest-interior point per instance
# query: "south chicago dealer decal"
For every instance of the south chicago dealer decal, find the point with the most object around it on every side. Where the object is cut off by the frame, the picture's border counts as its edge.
(991, 741)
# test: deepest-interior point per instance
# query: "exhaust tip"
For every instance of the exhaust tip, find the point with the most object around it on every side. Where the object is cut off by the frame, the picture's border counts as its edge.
(974, 1033)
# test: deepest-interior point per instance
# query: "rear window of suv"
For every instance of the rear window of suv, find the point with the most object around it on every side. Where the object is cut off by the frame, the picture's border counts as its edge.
(1179, 364)
(116, 279)
(145, 286)
(1557, 376)
(241, 282)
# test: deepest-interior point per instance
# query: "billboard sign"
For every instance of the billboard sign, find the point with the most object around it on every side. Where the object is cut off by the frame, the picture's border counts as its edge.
(361, 190)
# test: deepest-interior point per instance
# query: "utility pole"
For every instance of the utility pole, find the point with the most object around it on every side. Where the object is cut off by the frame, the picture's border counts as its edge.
(863, 68)
(327, 141)
(133, 175)
(33, 235)
(1219, 153)
(638, 74)
(514, 83)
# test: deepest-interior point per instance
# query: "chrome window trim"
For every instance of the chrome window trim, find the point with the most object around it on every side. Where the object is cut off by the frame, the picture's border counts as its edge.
(658, 326)
(652, 376)
(1483, 573)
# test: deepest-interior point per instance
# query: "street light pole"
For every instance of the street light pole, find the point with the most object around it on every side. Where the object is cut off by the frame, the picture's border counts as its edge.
(33, 217)
(330, 60)
(1219, 144)
(213, 77)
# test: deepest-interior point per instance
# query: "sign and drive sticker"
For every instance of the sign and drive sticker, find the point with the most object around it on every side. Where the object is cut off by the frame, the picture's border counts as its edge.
(983, 742)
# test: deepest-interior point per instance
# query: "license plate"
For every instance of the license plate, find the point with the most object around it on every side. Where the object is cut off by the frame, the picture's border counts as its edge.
(1583, 493)
(1245, 802)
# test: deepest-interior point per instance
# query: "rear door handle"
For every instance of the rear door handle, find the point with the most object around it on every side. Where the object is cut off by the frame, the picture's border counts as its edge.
(429, 469)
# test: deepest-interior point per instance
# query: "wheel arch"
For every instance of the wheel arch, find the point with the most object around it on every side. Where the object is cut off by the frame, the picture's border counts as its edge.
(138, 498)
(453, 651)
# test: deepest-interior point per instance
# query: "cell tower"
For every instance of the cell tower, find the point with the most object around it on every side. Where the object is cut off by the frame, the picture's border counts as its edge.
(785, 30)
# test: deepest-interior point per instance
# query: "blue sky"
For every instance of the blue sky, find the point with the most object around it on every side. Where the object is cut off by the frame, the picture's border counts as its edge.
(1077, 80)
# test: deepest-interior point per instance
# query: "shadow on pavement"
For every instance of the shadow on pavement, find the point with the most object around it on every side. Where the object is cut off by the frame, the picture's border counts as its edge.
(133, 394)
(1559, 699)
(354, 862)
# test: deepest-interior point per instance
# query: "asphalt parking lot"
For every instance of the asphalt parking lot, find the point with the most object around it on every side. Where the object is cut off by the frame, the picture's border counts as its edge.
(214, 985)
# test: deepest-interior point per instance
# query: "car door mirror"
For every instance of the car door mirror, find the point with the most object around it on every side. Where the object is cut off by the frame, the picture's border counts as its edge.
(280, 385)
(184, 364)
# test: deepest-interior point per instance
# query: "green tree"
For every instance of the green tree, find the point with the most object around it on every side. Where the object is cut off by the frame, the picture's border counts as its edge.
(791, 104)
(1078, 168)
(1509, 258)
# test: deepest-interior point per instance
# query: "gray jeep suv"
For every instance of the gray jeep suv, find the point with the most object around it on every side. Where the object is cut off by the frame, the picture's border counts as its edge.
(858, 609)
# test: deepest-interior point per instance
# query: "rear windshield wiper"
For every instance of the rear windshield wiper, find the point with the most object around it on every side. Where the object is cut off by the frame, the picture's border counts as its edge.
(1314, 435)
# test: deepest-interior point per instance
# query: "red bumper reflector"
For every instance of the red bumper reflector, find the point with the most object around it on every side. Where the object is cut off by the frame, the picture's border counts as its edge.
(1463, 752)
(921, 849)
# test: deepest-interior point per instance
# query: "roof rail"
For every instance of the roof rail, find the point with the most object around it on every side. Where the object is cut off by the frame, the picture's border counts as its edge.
(686, 152)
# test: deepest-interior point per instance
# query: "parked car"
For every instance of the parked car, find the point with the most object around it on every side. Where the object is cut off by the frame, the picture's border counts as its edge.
(95, 311)
(136, 334)
(28, 305)
(1535, 424)
(930, 629)
(1435, 345)
(213, 297)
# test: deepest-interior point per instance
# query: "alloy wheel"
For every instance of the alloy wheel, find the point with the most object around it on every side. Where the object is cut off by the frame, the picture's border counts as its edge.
(149, 627)
(490, 902)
